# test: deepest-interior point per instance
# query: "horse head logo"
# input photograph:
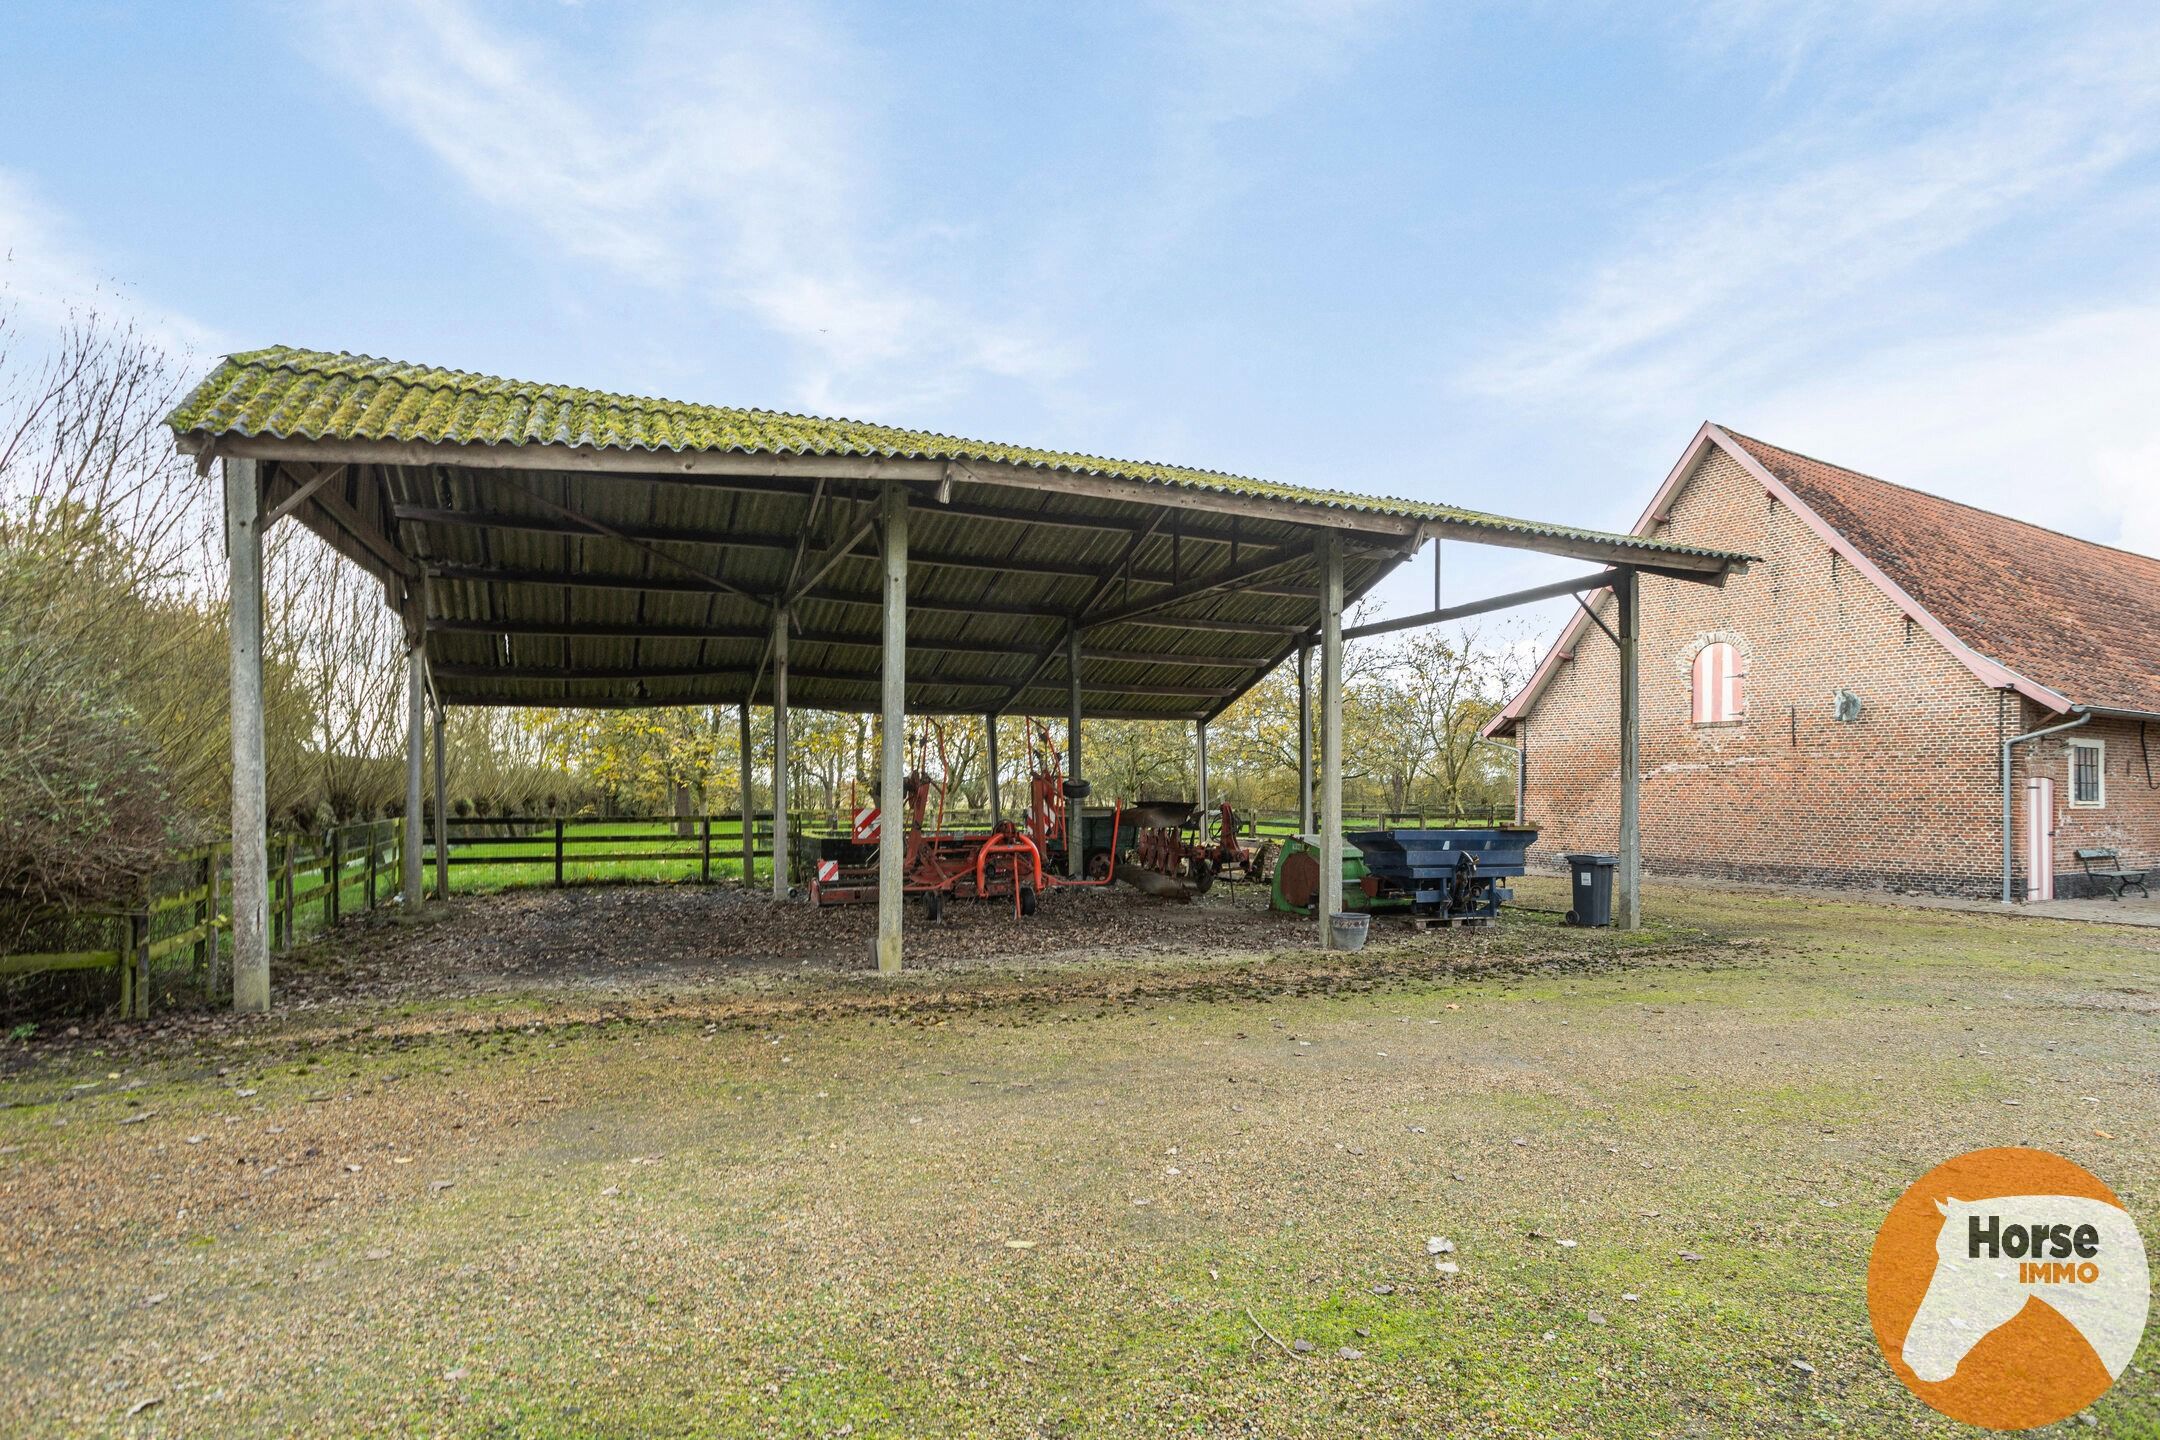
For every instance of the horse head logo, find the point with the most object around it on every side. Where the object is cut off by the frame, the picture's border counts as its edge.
(2082, 1257)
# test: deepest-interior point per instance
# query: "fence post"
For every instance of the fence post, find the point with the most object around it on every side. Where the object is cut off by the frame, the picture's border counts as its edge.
(558, 852)
(127, 967)
(367, 888)
(705, 850)
(216, 868)
(139, 935)
(204, 913)
(291, 909)
(335, 900)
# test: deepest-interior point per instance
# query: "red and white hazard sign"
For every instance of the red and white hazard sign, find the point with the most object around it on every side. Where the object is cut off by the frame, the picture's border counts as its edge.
(866, 823)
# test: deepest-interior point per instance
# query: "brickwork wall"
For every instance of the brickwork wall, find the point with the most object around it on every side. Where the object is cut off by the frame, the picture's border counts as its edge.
(2127, 821)
(1906, 797)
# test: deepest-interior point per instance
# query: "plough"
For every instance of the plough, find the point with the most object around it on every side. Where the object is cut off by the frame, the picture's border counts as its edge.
(1008, 862)
(1173, 856)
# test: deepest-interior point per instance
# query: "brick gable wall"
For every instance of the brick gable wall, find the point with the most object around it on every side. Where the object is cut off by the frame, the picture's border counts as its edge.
(1908, 796)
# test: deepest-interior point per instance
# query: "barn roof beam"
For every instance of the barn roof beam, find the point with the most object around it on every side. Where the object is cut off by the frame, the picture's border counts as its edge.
(501, 673)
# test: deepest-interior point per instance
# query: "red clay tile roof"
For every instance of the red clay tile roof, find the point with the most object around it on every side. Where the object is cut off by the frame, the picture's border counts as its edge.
(2079, 618)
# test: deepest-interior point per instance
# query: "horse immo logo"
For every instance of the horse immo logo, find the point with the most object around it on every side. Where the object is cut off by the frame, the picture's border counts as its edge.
(2008, 1288)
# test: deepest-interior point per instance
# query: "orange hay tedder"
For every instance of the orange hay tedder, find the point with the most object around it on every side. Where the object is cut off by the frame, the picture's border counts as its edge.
(1010, 862)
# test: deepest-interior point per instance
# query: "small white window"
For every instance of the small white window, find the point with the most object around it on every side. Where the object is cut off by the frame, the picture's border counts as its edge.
(1720, 684)
(2088, 773)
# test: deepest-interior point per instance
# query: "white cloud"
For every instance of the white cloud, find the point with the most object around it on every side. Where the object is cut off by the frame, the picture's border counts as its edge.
(2053, 423)
(727, 158)
(50, 276)
(1225, 66)
(1828, 231)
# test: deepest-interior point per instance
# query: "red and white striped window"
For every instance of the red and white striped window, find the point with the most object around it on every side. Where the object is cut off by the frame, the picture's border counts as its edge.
(1720, 684)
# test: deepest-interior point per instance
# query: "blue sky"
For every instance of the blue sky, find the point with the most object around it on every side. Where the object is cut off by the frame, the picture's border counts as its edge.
(1504, 255)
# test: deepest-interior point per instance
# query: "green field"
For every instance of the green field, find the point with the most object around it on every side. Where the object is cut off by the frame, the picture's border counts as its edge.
(1085, 1195)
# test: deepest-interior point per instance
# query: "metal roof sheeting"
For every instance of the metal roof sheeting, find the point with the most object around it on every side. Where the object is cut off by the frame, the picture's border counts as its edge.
(542, 572)
(314, 395)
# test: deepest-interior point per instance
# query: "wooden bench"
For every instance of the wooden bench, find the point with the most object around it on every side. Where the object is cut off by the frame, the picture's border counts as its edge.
(2102, 868)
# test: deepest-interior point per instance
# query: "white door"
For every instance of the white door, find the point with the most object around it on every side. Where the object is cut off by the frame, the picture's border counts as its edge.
(2039, 838)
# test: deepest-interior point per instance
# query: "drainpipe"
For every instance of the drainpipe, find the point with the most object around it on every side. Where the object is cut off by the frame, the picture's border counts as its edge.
(2084, 719)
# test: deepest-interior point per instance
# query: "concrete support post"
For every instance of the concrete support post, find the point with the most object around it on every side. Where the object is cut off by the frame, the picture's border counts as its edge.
(1627, 882)
(990, 758)
(1075, 809)
(442, 810)
(250, 843)
(780, 756)
(415, 877)
(892, 748)
(748, 797)
(1200, 769)
(1304, 739)
(1331, 658)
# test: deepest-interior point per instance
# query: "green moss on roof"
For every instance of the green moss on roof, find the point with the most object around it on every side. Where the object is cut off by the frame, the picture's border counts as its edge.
(316, 395)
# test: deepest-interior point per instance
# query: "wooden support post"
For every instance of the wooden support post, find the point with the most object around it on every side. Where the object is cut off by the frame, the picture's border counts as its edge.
(415, 739)
(997, 803)
(1304, 739)
(892, 747)
(1075, 808)
(334, 897)
(250, 840)
(780, 756)
(749, 806)
(442, 813)
(1331, 657)
(1200, 766)
(558, 853)
(1627, 883)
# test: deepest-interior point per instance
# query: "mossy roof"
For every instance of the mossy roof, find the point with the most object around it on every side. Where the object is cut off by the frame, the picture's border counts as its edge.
(317, 395)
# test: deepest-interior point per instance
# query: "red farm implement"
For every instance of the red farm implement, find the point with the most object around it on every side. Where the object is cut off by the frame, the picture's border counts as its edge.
(1013, 861)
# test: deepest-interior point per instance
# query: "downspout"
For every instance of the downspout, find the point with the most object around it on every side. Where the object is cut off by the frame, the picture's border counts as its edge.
(2084, 719)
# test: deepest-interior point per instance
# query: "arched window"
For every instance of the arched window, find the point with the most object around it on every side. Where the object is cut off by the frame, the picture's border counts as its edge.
(1720, 684)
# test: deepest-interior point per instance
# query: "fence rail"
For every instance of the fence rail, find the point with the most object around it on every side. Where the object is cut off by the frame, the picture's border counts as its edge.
(317, 880)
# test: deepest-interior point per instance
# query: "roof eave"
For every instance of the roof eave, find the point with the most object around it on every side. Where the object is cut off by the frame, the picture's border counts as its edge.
(1405, 530)
(783, 465)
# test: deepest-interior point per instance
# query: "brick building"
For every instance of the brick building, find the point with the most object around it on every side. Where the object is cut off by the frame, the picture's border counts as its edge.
(1839, 713)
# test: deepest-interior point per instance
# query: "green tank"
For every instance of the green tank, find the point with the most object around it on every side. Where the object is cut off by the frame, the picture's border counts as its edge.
(1297, 879)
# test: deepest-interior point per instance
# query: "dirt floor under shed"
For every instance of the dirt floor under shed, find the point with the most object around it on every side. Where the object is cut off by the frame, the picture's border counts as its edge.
(635, 937)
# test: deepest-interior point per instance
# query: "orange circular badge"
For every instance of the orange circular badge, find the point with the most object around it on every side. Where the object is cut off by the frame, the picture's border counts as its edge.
(2008, 1288)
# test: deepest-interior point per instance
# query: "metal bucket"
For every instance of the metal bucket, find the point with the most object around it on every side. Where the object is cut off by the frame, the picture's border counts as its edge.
(1349, 929)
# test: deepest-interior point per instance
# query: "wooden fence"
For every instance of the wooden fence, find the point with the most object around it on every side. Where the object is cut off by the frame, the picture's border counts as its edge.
(317, 880)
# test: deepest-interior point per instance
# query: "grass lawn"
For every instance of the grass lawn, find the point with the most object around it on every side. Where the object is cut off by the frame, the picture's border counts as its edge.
(1087, 1198)
(535, 855)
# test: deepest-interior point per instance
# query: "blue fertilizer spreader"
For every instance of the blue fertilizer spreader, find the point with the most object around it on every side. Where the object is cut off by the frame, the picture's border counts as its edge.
(1450, 876)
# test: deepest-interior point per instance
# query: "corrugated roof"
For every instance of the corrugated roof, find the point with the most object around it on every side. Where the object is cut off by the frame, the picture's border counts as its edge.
(540, 572)
(313, 395)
